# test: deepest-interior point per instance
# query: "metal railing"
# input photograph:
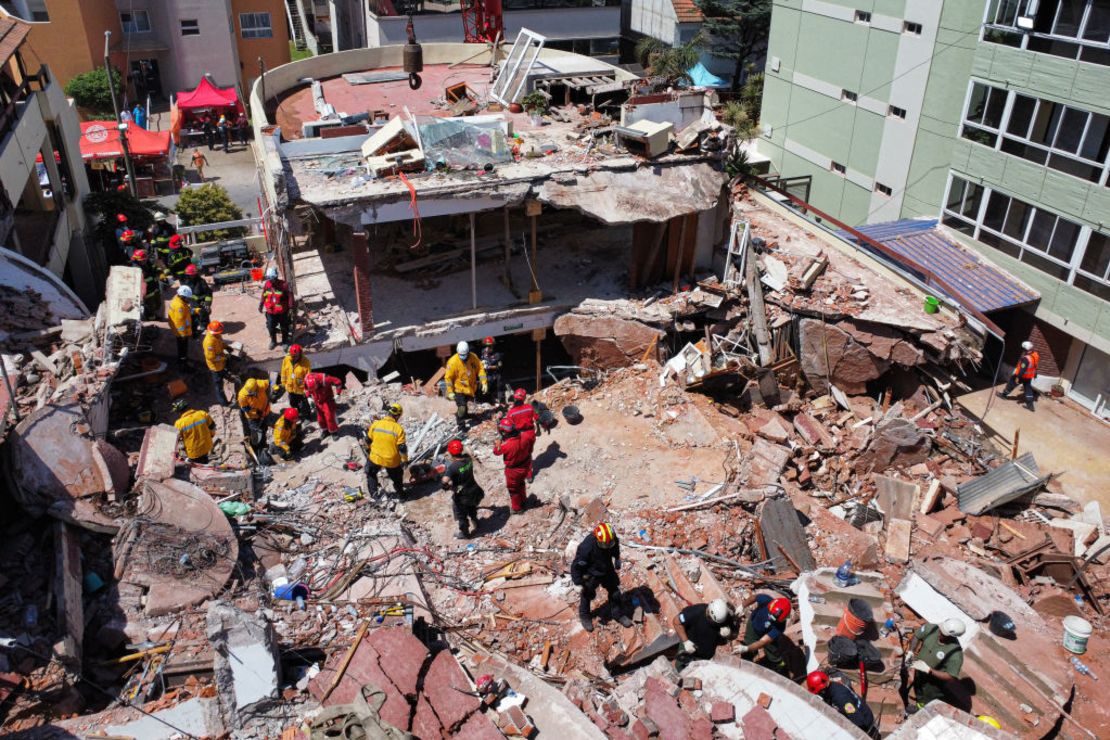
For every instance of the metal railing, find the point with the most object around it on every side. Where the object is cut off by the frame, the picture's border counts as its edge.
(9, 115)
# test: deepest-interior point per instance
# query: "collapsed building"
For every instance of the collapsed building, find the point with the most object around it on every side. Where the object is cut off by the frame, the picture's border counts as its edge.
(757, 400)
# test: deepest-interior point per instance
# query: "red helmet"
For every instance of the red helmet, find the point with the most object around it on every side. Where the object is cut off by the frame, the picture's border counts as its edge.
(190, 269)
(139, 255)
(488, 341)
(121, 218)
(454, 447)
(311, 380)
(176, 239)
(817, 682)
(290, 414)
(779, 609)
(505, 426)
(520, 394)
(605, 535)
(127, 235)
(295, 350)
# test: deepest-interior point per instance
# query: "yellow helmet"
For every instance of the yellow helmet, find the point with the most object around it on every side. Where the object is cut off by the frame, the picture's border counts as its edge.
(251, 386)
(989, 720)
(395, 410)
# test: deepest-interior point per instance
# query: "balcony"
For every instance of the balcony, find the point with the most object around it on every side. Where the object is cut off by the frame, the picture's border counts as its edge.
(14, 96)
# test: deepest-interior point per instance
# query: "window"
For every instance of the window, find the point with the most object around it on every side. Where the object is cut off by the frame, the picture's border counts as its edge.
(848, 96)
(1075, 29)
(255, 25)
(190, 27)
(884, 189)
(862, 16)
(135, 21)
(896, 112)
(912, 28)
(838, 168)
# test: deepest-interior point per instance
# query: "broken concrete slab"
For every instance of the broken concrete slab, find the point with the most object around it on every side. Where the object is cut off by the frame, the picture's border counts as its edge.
(550, 709)
(940, 721)
(897, 442)
(247, 666)
(813, 431)
(156, 456)
(897, 546)
(846, 541)
(199, 717)
(784, 537)
(605, 343)
(829, 354)
(896, 498)
(68, 594)
(764, 464)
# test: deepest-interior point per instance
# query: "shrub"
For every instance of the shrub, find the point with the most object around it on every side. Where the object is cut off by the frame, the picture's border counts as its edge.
(89, 90)
(209, 204)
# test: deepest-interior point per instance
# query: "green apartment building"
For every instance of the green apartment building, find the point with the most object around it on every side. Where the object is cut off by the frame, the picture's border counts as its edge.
(991, 116)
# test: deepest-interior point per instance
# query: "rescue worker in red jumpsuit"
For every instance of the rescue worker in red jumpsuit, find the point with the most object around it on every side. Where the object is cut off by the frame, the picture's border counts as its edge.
(526, 421)
(319, 387)
(517, 459)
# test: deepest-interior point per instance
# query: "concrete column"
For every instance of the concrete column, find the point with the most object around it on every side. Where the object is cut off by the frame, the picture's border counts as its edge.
(360, 250)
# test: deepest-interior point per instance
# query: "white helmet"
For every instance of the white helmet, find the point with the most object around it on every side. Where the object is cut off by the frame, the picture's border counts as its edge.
(463, 349)
(952, 627)
(185, 291)
(271, 272)
(719, 611)
(1027, 346)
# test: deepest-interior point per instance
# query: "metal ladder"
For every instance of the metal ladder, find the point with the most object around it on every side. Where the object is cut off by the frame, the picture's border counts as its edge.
(736, 255)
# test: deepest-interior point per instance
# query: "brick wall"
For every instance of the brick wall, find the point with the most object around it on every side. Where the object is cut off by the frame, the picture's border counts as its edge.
(1052, 345)
(360, 251)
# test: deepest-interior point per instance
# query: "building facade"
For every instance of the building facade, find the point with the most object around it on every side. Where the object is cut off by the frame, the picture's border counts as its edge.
(993, 116)
(68, 34)
(42, 177)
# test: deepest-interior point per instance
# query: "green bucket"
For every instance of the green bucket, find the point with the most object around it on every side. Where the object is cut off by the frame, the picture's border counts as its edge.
(932, 305)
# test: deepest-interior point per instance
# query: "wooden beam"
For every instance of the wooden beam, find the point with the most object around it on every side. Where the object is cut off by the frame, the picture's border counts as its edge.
(758, 309)
(67, 594)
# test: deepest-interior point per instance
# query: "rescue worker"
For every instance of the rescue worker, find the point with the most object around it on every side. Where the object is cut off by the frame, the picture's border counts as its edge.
(388, 449)
(178, 259)
(841, 697)
(277, 304)
(1024, 373)
(526, 421)
(466, 494)
(596, 563)
(167, 246)
(152, 286)
(128, 242)
(702, 629)
(181, 321)
(254, 402)
(491, 361)
(121, 227)
(463, 377)
(319, 388)
(517, 460)
(765, 628)
(937, 658)
(288, 436)
(202, 294)
(294, 369)
(215, 357)
(195, 429)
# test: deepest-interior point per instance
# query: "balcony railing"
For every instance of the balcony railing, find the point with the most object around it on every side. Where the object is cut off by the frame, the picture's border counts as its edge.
(11, 103)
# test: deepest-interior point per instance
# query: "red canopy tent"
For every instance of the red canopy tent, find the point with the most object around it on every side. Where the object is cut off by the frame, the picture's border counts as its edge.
(100, 140)
(207, 95)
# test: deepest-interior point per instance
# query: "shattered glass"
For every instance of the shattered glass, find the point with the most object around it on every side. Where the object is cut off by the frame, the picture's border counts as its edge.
(461, 145)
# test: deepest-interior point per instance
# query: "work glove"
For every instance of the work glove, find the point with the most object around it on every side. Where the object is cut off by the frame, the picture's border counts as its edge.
(485, 388)
(726, 632)
(450, 395)
(617, 564)
(908, 660)
(260, 309)
(920, 665)
(742, 650)
(689, 647)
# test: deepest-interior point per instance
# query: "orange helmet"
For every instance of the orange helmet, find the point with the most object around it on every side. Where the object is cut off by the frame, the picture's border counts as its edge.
(605, 535)
(139, 255)
(215, 327)
(779, 609)
(817, 682)
(295, 350)
(488, 341)
(290, 414)
(190, 269)
(454, 447)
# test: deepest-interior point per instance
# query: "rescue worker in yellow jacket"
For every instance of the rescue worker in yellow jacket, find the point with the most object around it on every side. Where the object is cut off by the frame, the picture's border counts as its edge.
(254, 402)
(388, 449)
(181, 321)
(215, 357)
(465, 373)
(195, 429)
(288, 438)
(294, 368)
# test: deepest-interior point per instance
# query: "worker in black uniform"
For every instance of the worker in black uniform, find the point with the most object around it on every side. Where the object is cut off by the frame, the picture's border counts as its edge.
(842, 698)
(596, 564)
(491, 360)
(702, 629)
(152, 286)
(764, 631)
(458, 478)
(202, 294)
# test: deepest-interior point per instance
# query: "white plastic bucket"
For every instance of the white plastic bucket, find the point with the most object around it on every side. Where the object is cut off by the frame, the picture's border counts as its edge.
(1076, 633)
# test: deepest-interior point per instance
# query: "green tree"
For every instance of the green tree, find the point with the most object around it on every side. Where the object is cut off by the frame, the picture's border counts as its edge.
(736, 30)
(89, 90)
(209, 204)
(670, 62)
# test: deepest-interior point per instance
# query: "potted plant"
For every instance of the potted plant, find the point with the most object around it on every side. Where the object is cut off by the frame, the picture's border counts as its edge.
(535, 104)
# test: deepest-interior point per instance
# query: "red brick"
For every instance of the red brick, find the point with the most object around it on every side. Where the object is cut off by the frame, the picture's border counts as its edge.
(662, 709)
(644, 728)
(691, 684)
(764, 701)
(722, 712)
(701, 729)
(758, 724)
(929, 525)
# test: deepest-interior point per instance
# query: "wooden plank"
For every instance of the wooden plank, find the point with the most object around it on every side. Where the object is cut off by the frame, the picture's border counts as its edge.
(782, 529)
(429, 388)
(67, 593)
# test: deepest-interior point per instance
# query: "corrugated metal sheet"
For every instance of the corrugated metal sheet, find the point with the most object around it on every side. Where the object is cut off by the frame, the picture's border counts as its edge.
(980, 286)
(1003, 484)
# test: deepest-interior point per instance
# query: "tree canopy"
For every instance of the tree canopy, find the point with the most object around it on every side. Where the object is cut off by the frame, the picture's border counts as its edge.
(736, 30)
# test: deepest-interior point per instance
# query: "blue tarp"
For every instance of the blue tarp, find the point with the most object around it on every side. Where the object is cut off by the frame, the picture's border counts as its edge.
(702, 77)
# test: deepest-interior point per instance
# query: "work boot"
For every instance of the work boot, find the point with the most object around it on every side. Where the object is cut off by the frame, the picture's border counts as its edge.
(273, 343)
(1029, 405)
(617, 614)
(476, 526)
(587, 622)
(462, 534)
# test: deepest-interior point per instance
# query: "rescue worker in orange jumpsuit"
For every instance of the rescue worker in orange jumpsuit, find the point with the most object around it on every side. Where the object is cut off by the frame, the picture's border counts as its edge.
(517, 460)
(319, 387)
(277, 304)
(526, 421)
(1024, 373)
